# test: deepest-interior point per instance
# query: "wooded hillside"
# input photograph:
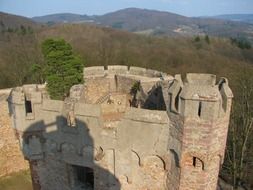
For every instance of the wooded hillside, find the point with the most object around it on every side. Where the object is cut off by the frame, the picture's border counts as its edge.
(21, 48)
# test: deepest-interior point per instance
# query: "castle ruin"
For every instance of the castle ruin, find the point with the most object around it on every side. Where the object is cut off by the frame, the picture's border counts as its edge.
(125, 128)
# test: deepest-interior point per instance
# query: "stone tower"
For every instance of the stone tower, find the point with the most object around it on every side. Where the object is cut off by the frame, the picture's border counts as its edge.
(125, 128)
(199, 110)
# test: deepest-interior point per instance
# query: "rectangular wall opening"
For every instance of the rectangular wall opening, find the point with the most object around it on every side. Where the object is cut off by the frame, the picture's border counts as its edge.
(28, 106)
(200, 109)
(194, 159)
(83, 177)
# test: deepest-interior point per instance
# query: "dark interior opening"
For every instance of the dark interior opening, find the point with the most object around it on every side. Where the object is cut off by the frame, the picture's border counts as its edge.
(28, 106)
(200, 107)
(194, 160)
(84, 177)
(155, 100)
(177, 100)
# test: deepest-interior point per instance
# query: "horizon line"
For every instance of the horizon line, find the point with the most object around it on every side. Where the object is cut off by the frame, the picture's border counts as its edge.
(83, 14)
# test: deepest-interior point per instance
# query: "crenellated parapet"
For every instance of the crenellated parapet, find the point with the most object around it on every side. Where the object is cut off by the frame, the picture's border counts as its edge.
(121, 70)
(146, 128)
(200, 96)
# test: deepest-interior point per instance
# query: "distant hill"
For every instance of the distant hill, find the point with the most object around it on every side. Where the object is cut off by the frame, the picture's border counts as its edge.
(62, 18)
(152, 22)
(9, 21)
(105, 46)
(99, 45)
(133, 19)
(248, 18)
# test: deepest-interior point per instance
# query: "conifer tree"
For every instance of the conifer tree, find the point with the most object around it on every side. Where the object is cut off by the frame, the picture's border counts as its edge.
(63, 69)
(207, 39)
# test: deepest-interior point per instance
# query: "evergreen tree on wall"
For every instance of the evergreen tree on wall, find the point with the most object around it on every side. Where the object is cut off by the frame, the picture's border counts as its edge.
(63, 69)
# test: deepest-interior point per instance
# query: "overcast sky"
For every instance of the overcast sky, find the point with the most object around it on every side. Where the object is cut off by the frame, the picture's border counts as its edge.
(31, 8)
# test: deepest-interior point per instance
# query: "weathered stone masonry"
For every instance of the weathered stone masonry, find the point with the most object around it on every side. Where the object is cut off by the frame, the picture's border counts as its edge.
(9, 145)
(131, 129)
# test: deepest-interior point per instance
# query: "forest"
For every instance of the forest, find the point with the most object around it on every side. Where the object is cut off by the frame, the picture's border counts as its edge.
(21, 53)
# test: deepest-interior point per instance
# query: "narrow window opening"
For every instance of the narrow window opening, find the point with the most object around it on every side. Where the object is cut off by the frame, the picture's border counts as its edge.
(197, 163)
(28, 106)
(194, 160)
(177, 100)
(83, 177)
(220, 84)
(200, 109)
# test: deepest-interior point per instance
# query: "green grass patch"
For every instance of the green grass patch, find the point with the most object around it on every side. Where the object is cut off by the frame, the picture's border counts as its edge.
(18, 181)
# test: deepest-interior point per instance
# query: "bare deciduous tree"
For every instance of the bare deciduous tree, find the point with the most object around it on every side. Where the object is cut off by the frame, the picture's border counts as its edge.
(239, 150)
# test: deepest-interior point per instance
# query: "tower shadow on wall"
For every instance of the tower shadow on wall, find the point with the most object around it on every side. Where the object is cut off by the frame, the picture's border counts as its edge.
(62, 157)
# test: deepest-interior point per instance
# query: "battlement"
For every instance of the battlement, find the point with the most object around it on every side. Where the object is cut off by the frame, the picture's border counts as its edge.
(102, 96)
(121, 70)
(31, 92)
(141, 125)
(200, 96)
(197, 96)
(200, 79)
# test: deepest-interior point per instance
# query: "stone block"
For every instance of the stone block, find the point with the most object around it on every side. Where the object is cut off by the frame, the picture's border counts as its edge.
(91, 110)
(137, 71)
(36, 97)
(117, 69)
(52, 105)
(28, 88)
(201, 79)
(94, 71)
(17, 97)
(150, 116)
(153, 73)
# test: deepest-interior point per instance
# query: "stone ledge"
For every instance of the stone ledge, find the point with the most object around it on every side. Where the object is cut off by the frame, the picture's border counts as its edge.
(91, 110)
(52, 105)
(100, 71)
(149, 116)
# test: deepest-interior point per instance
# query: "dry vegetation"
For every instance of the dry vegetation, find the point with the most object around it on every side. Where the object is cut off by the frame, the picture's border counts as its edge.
(104, 46)
(18, 181)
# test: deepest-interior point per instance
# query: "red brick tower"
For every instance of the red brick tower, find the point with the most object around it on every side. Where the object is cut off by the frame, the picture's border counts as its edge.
(199, 111)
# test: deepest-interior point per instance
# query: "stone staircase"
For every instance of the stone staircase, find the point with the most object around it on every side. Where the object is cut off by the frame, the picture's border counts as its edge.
(103, 98)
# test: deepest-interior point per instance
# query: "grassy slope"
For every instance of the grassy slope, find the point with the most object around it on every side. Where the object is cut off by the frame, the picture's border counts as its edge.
(18, 181)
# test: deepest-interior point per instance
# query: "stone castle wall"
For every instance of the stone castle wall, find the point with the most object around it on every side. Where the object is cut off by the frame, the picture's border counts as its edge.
(11, 157)
(45, 134)
(126, 147)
